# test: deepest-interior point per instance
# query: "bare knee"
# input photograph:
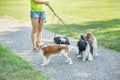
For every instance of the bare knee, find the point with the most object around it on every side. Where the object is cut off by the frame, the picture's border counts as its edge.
(34, 31)
(39, 30)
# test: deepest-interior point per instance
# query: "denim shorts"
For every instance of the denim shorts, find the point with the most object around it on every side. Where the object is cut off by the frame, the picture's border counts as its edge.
(38, 15)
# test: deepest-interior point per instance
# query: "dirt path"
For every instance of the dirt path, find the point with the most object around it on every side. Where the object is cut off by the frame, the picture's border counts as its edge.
(16, 36)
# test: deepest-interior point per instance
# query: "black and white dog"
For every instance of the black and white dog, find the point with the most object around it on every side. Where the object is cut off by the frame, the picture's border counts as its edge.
(85, 49)
(61, 40)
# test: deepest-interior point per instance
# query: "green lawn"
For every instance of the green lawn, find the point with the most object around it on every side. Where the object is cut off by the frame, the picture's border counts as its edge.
(101, 17)
(17, 9)
(13, 67)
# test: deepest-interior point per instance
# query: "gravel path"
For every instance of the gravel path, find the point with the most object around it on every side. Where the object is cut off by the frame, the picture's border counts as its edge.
(16, 36)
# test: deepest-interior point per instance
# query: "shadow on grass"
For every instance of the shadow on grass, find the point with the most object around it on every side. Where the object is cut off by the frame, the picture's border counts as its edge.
(107, 32)
(88, 26)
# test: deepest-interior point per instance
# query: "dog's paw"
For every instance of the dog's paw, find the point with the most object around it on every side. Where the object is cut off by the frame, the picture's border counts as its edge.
(66, 60)
(79, 56)
(70, 62)
(83, 59)
(90, 60)
(96, 54)
(43, 64)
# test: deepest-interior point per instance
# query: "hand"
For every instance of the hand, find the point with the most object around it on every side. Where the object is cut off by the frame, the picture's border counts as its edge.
(46, 3)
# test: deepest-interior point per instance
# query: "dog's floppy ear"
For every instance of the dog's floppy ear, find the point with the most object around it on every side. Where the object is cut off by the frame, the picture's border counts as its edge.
(89, 34)
(82, 37)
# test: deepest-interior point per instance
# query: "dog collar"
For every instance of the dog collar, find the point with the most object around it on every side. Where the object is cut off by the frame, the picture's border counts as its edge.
(42, 46)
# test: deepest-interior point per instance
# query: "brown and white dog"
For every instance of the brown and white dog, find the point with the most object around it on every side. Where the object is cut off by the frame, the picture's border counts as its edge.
(93, 41)
(49, 50)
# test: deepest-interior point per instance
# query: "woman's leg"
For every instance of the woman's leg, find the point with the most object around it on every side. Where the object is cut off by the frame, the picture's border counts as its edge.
(39, 30)
(34, 22)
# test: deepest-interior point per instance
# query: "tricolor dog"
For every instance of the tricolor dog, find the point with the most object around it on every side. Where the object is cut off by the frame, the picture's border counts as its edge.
(49, 50)
(84, 49)
(61, 40)
(93, 41)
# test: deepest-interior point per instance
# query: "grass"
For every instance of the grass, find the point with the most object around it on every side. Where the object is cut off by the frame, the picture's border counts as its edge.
(13, 67)
(107, 32)
(101, 17)
(15, 9)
